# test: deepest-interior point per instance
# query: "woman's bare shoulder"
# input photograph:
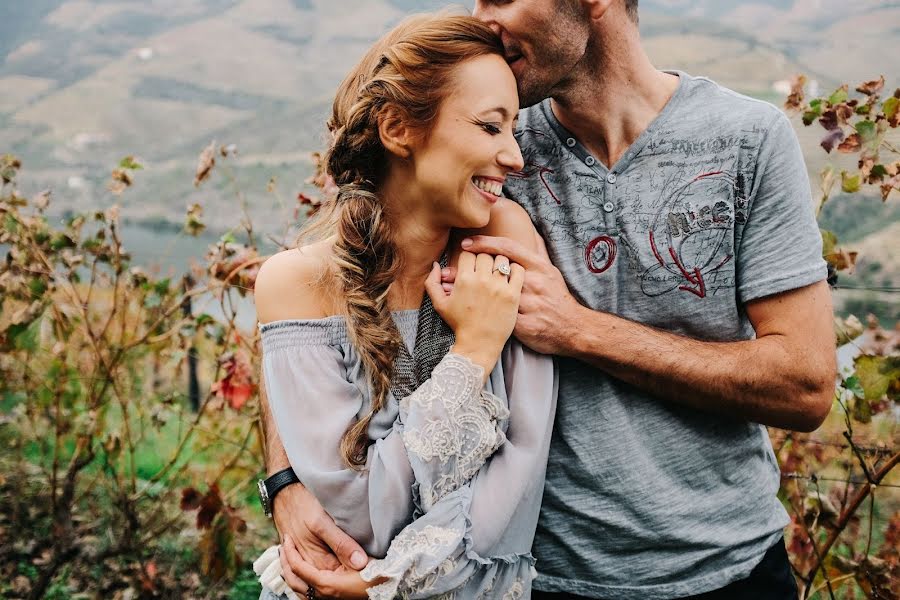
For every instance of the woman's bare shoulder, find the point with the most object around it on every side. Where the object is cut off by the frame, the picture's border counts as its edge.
(293, 284)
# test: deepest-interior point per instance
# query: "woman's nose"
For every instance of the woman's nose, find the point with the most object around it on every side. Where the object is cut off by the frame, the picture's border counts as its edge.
(510, 156)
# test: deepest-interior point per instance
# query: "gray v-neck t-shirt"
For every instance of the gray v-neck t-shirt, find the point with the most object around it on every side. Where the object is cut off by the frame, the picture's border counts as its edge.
(708, 210)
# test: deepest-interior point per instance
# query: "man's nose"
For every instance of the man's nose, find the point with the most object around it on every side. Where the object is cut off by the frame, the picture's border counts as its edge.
(484, 11)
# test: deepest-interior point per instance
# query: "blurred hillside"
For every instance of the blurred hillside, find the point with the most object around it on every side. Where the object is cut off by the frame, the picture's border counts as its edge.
(85, 82)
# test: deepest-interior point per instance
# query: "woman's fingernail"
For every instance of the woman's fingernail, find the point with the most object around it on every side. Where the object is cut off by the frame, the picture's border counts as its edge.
(447, 287)
(358, 560)
(445, 272)
(467, 243)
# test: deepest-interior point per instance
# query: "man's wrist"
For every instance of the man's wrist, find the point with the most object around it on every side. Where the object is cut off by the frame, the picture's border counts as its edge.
(271, 486)
(574, 330)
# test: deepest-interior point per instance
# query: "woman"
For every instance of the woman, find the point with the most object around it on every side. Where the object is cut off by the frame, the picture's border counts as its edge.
(424, 437)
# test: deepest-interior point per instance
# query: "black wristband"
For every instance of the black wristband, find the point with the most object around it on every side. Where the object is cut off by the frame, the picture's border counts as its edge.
(274, 484)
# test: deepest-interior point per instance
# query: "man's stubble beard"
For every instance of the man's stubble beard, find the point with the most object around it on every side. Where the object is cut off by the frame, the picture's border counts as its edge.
(565, 53)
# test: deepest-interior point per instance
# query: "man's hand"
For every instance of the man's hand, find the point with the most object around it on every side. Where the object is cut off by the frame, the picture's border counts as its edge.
(547, 310)
(299, 574)
(317, 539)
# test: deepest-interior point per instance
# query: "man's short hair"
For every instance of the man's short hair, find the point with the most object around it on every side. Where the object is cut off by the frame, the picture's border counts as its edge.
(631, 7)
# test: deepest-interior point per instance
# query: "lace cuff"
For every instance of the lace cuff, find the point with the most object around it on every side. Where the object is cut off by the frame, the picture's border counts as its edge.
(450, 428)
(268, 568)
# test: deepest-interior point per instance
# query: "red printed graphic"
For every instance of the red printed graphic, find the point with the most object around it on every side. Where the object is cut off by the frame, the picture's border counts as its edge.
(529, 170)
(600, 254)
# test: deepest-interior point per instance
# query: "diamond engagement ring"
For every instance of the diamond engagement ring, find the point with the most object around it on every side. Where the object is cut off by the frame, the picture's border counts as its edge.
(504, 269)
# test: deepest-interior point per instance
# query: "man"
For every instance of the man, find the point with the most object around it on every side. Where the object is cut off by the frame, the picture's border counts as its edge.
(683, 292)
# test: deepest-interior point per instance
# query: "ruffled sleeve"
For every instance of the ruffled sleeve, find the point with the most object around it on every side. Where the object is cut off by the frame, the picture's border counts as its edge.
(475, 536)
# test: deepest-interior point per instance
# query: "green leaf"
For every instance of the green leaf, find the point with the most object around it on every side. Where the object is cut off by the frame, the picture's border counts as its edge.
(890, 107)
(37, 286)
(228, 238)
(878, 173)
(877, 374)
(839, 95)
(853, 385)
(162, 286)
(24, 336)
(129, 163)
(866, 130)
(850, 184)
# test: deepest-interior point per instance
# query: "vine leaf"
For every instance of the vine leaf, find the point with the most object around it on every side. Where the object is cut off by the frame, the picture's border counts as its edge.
(879, 375)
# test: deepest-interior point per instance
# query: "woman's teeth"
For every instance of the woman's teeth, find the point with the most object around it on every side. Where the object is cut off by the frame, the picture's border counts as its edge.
(491, 187)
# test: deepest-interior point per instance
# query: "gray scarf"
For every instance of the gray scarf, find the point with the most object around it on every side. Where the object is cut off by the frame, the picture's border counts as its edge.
(433, 340)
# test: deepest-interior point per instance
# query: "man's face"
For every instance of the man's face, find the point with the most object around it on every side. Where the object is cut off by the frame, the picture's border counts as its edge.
(543, 40)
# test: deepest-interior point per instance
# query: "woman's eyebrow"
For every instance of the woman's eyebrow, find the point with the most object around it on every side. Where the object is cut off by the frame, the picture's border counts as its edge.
(499, 109)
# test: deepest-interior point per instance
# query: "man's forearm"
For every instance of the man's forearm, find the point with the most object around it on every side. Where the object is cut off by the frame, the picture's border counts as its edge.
(761, 380)
(276, 457)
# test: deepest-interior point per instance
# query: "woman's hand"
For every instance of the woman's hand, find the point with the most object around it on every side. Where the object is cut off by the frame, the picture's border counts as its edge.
(342, 583)
(482, 307)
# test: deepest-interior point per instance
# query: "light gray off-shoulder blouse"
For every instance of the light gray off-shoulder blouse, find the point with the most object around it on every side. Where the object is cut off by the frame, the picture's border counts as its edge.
(449, 498)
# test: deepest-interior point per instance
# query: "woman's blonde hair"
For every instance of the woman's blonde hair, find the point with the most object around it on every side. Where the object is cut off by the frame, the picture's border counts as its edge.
(410, 71)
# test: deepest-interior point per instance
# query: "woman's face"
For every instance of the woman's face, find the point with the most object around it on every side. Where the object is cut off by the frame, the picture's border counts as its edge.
(461, 165)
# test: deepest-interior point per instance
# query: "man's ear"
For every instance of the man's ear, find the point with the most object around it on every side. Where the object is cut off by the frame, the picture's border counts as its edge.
(396, 136)
(595, 9)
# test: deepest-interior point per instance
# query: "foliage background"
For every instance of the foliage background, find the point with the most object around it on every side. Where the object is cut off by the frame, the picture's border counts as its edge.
(123, 283)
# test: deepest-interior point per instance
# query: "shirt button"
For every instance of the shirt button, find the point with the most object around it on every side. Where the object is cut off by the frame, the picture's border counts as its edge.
(611, 178)
(608, 207)
(589, 161)
(570, 142)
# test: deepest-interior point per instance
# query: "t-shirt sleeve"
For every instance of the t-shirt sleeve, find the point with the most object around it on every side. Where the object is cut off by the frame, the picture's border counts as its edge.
(780, 247)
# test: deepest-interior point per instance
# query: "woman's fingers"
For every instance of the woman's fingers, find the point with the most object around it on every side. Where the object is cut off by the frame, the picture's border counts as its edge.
(290, 558)
(484, 262)
(435, 289)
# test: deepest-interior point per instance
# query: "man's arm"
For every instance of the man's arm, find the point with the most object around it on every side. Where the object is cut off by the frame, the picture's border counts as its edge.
(299, 515)
(783, 378)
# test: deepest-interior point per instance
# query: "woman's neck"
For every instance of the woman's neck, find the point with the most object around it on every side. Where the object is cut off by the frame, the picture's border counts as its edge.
(419, 243)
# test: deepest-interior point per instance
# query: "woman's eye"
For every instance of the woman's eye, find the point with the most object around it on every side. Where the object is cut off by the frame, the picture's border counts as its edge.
(491, 128)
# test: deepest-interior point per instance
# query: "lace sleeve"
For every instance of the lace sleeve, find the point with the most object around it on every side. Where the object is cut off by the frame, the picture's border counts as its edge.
(449, 426)
(475, 541)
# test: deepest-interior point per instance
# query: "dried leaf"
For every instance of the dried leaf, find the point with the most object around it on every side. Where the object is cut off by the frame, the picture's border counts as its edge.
(193, 223)
(795, 98)
(871, 87)
(205, 163)
(41, 200)
(850, 144)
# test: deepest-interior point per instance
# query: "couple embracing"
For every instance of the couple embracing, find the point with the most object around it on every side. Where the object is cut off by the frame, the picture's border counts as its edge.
(533, 353)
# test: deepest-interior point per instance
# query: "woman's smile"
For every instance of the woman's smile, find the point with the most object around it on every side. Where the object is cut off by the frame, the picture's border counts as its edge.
(490, 188)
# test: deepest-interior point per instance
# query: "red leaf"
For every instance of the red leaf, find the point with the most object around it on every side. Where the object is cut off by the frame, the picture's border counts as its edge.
(829, 119)
(236, 385)
(190, 499)
(210, 506)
